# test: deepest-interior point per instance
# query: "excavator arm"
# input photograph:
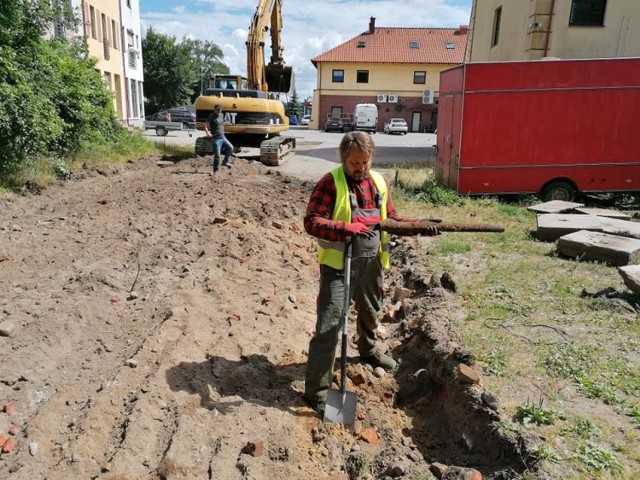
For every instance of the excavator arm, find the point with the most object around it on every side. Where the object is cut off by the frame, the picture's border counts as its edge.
(276, 76)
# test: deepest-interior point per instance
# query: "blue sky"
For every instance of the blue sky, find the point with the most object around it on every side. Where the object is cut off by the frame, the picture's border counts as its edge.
(309, 27)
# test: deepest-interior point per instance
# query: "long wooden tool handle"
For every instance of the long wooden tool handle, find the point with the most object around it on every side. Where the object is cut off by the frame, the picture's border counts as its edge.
(416, 228)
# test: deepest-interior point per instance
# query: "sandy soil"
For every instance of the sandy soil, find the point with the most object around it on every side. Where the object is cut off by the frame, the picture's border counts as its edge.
(158, 323)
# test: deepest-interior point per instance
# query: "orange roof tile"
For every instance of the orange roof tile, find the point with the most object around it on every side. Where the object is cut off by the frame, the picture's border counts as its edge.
(392, 45)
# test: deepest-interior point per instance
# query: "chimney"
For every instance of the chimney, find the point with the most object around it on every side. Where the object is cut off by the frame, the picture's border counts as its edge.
(463, 30)
(372, 25)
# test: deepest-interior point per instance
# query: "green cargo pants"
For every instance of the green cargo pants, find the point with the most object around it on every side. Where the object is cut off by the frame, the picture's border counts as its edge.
(366, 291)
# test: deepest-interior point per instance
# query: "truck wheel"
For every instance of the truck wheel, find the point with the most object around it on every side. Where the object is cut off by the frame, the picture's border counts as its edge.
(161, 131)
(558, 191)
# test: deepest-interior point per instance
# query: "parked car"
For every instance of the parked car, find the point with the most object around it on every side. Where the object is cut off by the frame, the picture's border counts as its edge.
(334, 124)
(396, 125)
(306, 120)
(293, 120)
(347, 123)
(184, 115)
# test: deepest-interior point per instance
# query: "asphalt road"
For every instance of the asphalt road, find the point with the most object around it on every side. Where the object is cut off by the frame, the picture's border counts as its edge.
(317, 151)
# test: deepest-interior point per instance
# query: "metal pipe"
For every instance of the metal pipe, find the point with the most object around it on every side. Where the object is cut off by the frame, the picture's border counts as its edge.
(546, 41)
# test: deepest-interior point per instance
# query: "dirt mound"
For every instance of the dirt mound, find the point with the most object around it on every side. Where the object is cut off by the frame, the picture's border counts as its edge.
(159, 319)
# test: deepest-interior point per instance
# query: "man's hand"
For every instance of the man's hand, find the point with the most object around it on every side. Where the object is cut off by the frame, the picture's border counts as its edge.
(358, 229)
(431, 231)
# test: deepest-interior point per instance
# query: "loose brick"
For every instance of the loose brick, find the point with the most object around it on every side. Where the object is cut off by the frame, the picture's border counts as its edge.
(7, 407)
(370, 436)
(255, 448)
(466, 374)
(9, 445)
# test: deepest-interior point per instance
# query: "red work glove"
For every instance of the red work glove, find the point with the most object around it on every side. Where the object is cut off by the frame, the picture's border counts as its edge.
(357, 229)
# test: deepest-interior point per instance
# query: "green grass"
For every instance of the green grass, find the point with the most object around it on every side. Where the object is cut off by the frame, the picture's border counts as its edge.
(532, 332)
(38, 173)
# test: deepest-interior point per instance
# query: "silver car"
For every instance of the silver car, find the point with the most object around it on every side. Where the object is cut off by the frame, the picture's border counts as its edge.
(396, 125)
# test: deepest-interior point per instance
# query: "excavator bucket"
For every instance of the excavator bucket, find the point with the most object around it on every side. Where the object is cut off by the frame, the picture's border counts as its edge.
(279, 78)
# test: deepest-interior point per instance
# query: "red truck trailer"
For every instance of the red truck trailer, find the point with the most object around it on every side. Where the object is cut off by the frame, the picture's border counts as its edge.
(550, 127)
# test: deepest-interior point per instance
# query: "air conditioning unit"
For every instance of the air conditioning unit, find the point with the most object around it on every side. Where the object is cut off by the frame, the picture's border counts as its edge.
(382, 98)
(392, 98)
(427, 97)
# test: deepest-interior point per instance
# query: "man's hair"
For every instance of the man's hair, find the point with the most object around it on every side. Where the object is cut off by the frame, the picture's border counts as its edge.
(360, 141)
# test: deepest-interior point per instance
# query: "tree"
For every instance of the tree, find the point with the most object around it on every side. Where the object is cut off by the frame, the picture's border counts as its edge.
(167, 72)
(51, 100)
(175, 72)
(206, 59)
(294, 107)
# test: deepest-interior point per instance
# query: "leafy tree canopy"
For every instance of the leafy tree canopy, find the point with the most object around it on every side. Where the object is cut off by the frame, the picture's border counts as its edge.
(174, 73)
(52, 100)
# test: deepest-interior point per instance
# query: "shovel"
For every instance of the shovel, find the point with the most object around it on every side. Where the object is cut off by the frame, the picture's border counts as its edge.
(341, 405)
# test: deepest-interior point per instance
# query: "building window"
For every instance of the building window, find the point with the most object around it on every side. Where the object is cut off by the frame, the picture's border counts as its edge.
(419, 77)
(337, 76)
(92, 15)
(362, 76)
(587, 12)
(449, 46)
(497, 16)
(414, 44)
(129, 3)
(361, 44)
(114, 34)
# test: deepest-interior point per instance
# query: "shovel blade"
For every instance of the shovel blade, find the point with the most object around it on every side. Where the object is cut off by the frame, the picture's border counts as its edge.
(340, 407)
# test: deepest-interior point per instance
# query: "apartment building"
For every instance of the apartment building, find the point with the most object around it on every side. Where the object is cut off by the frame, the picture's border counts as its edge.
(503, 30)
(113, 34)
(398, 69)
(132, 53)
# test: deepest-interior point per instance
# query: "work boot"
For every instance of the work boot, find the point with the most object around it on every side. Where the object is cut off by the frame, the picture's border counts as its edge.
(379, 359)
(317, 405)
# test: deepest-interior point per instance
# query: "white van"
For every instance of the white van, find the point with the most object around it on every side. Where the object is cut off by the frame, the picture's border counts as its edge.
(365, 117)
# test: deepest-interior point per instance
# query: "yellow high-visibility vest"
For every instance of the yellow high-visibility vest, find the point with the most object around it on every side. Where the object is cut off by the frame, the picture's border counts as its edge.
(332, 253)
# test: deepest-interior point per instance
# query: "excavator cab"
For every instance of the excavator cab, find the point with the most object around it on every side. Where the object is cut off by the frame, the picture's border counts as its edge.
(279, 78)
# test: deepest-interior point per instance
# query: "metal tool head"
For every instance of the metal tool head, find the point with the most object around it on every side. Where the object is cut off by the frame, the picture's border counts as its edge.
(340, 407)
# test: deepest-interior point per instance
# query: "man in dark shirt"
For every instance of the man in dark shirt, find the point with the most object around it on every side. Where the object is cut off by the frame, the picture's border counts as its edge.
(214, 129)
(345, 206)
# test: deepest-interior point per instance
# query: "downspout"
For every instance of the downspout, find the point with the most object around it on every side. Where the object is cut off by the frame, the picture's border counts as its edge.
(124, 66)
(547, 39)
(84, 28)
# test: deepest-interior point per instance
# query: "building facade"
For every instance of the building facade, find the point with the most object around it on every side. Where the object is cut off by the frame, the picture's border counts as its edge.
(132, 54)
(112, 32)
(398, 69)
(502, 30)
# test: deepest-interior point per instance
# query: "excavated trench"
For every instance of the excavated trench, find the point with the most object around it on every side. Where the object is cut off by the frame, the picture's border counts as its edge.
(455, 421)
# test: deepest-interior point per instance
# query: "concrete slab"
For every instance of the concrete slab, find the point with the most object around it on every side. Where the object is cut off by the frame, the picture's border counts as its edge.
(603, 212)
(631, 276)
(624, 228)
(601, 247)
(552, 226)
(555, 206)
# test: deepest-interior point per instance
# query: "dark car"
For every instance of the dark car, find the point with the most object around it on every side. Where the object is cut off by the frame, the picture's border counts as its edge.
(334, 124)
(184, 115)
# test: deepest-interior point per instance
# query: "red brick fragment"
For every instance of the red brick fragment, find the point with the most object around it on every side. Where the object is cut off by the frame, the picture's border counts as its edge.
(9, 445)
(7, 407)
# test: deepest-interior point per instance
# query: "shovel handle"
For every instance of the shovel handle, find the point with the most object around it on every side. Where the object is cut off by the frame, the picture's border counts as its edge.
(345, 316)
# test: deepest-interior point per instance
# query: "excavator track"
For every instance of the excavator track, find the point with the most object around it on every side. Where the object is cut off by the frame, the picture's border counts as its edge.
(277, 150)
(273, 151)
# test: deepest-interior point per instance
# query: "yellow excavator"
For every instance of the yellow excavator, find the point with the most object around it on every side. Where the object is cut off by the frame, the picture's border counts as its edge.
(253, 115)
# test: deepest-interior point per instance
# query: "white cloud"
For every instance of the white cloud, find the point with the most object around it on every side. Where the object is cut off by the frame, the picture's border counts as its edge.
(309, 27)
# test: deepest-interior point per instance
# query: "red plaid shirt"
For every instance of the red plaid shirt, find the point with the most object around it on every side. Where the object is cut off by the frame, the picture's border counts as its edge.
(318, 222)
